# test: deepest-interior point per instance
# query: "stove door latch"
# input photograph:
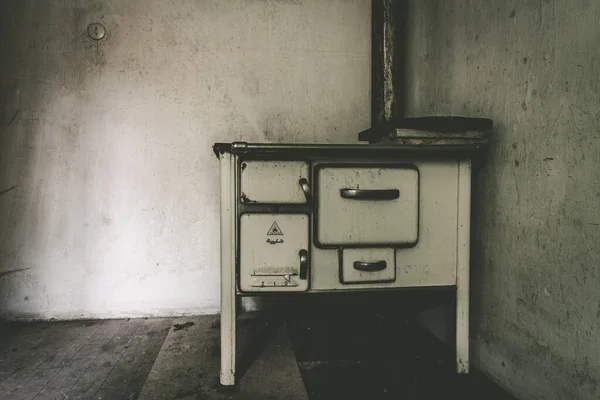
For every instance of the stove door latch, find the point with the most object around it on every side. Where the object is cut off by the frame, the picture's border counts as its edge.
(303, 263)
(306, 189)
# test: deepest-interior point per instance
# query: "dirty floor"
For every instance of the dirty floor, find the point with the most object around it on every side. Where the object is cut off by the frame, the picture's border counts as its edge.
(321, 352)
(78, 359)
(355, 350)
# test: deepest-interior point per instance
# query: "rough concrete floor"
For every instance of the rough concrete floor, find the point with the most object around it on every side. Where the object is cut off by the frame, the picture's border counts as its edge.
(318, 351)
(373, 348)
(188, 364)
(78, 359)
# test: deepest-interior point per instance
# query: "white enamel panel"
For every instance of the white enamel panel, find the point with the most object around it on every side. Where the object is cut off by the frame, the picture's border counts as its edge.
(432, 261)
(271, 182)
(269, 252)
(343, 221)
(350, 273)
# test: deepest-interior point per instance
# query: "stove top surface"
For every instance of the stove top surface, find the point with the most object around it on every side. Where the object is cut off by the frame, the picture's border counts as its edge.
(403, 142)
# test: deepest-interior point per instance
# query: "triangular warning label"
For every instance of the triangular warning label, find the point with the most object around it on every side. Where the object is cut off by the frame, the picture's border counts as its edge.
(275, 229)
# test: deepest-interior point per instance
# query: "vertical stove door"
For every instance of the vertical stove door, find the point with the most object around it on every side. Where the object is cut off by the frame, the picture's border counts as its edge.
(274, 253)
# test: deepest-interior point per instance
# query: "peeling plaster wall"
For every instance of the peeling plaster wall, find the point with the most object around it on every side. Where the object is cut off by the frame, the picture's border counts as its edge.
(533, 67)
(108, 144)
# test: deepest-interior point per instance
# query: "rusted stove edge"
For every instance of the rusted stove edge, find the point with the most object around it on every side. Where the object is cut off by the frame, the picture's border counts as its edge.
(221, 148)
(433, 147)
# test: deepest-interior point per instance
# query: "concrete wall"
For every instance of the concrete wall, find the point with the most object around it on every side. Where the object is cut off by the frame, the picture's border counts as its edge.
(115, 209)
(533, 67)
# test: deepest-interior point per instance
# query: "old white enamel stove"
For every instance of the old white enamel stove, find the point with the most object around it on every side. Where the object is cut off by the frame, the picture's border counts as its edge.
(331, 218)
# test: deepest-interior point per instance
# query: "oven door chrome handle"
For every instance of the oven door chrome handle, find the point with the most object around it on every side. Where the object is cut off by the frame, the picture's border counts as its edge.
(306, 189)
(303, 263)
(375, 194)
(370, 266)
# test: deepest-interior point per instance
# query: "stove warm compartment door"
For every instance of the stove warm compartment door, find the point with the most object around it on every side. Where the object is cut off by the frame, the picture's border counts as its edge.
(367, 206)
(273, 182)
(274, 252)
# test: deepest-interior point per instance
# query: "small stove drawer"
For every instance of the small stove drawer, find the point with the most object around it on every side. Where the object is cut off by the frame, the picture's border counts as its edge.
(367, 206)
(367, 265)
(274, 252)
(273, 182)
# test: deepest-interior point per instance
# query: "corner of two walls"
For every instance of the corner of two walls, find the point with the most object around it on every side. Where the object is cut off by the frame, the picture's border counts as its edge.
(532, 67)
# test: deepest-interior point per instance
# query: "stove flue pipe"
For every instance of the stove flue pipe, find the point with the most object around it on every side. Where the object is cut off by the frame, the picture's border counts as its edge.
(388, 81)
(387, 62)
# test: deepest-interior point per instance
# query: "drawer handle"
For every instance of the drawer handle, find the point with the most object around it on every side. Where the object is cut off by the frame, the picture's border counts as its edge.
(361, 194)
(370, 266)
(306, 189)
(303, 263)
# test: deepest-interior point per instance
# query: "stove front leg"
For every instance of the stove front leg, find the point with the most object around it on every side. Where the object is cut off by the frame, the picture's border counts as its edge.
(228, 287)
(463, 266)
(228, 337)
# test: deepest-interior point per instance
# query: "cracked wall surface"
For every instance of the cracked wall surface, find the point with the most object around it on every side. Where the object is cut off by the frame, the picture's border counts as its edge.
(107, 145)
(531, 66)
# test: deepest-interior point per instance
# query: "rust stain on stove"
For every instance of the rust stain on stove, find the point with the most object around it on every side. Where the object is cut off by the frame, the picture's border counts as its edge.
(245, 199)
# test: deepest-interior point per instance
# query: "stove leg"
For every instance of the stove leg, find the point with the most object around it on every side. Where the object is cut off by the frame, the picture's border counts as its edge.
(228, 338)
(462, 267)
(462, 330)
(228, 297)
(228, 353)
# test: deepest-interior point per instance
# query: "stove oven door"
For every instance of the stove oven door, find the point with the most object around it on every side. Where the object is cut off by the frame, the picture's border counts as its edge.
(274, 252)
(370, 206)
